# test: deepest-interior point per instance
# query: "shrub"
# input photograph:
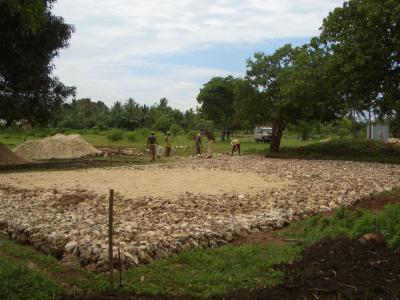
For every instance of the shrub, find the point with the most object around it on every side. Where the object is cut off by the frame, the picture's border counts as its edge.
(143, 132)
(40, 134)
(131, 136)
(176, 129)
(191, 135)
(351, 223)
(115, 135)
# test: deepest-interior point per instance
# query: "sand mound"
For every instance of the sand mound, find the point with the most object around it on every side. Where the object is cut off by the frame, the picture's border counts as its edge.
(57, 146)
(7, 157)
(393, 141)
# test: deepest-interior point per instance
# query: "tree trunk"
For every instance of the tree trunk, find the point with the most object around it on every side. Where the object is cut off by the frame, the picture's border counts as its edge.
(370, 126)
(277, 130)
(353, 126)
(223, 135)
(305, 135)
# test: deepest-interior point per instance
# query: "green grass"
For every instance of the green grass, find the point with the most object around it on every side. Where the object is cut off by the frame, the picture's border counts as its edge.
(206, 273)
(291, 147)
(350, 223)
(40, 267)
(18, 281)
(200, 273)
(346, 149)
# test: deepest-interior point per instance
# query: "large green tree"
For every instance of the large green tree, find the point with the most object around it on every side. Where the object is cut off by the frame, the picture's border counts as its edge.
(216, 99)
(263, 73)
(30, 37)
(364, 39)
(288, 86)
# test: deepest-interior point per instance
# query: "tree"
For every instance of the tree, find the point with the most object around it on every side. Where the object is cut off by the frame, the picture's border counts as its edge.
(289, 86)
(132, 116)
(249, 105)
(263, 74)
(216, 99)
(84, 113)
(364, 39)
(30, 37)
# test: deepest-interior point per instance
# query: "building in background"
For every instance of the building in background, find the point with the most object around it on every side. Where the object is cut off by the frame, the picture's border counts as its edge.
(378, 131)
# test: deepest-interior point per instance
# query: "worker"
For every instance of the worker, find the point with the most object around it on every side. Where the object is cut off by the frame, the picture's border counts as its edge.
(168, 144)
(235, 146)
(151, 145)
(197, 143)
(210, 143)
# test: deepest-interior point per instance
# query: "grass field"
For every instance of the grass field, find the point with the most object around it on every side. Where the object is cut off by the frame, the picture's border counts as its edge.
(28, 274)
(330, 147)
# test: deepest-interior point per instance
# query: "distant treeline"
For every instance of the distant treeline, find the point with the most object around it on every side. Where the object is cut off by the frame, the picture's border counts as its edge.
(129, 115)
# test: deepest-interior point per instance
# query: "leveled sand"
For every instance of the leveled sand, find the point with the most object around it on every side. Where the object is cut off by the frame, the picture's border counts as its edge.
(147, 182)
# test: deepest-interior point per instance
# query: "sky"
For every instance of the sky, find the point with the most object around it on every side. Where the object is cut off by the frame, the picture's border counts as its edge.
(152, 49)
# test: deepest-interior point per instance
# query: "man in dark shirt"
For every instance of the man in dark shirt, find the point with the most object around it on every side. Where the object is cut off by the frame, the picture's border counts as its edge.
(197, 143)
(151, 145)
(211, 141)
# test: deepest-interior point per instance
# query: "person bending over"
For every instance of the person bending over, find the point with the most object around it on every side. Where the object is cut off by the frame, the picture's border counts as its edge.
(235, 146)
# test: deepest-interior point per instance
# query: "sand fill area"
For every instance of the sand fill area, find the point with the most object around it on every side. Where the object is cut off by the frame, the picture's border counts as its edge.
(153, 182)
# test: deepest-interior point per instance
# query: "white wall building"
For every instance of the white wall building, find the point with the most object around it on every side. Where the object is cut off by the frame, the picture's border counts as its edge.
(379, 131)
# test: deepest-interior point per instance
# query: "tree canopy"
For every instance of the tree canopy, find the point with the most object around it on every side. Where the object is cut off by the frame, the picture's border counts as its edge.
(30, 37)
(216, 99)
(364, 39)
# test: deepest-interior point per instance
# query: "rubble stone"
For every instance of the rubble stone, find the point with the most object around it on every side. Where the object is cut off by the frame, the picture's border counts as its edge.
(74, 222)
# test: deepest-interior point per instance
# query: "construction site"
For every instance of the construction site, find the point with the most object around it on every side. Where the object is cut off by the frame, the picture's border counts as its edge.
(162, 209)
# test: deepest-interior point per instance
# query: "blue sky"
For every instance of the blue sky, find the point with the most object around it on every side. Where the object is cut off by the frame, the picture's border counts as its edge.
(169, 48)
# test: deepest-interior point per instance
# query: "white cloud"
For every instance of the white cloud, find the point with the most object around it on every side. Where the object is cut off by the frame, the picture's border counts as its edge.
(111, 34)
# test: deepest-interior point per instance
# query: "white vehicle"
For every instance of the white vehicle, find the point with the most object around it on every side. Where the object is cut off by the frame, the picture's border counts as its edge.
(263, 134)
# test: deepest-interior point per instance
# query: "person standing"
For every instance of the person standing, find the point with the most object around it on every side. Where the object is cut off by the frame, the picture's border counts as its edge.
(210, 143)
(168, 144)
(197, 143)
(235, 146)
(151, 145)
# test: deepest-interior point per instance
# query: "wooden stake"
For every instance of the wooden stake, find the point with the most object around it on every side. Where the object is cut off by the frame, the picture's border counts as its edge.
(110, 237)
(119, 268)
(110, 153)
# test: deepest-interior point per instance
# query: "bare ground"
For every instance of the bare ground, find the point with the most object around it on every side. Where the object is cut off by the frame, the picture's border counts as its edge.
(155, 216)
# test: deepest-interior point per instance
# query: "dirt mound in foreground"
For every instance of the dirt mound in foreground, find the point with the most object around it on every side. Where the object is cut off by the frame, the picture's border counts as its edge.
(336, 269)
(7, 157)
(57, 146)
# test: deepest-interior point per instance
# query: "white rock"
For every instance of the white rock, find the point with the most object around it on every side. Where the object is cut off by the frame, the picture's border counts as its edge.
(70, 246)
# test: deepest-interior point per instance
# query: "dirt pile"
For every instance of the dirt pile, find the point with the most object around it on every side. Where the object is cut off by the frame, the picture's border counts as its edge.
(393, 141)
(57, 146)
(336, 269)
(7, 157)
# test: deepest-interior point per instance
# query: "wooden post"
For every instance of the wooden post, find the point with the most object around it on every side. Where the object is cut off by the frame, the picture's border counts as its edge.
(110, 153)
(110, 237)
(119, 268)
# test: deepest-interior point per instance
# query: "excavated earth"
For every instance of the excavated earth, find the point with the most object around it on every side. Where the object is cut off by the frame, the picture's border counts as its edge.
(160, 210)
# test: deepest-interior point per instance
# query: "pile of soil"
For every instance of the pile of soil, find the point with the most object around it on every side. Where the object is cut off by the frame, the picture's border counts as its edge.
(58, 146)
(336, 269)
(393, 141)
(7, 157)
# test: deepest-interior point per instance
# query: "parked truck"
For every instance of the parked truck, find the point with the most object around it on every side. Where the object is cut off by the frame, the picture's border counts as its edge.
(263, 134)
